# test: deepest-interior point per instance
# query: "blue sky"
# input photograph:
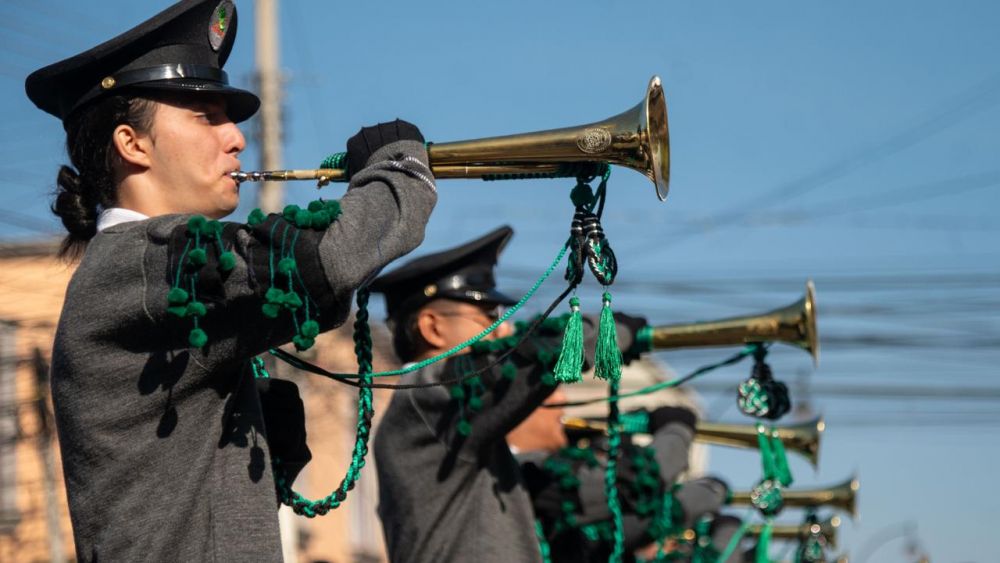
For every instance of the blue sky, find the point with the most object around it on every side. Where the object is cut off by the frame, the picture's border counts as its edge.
(849, 142)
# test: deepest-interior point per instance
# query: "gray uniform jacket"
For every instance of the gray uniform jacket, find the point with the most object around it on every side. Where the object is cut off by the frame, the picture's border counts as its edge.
(163, 446)
(446, 498)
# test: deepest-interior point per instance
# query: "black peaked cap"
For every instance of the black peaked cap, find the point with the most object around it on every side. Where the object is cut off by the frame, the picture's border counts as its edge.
(183, 48)
(464, 273)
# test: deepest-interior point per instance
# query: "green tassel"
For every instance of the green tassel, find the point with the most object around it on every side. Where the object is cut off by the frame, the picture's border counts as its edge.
(608, 357)
(570, 364)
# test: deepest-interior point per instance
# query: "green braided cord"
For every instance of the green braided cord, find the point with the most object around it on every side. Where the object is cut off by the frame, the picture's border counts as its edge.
(460, 347)
(734, 542)
(764, 543)
(783, 473)
(570, 364)
(363, 349)
(543, 544)
(666, 384)
(611, 475)
(607, 356)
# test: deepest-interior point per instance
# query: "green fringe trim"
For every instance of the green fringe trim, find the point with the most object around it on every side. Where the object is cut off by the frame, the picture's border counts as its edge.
(608, 357)
(570, 364)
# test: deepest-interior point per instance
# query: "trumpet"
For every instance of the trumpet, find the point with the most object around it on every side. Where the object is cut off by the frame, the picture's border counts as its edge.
(637, 138)
(843, 496)
(802, 438)
(793, 324)
(827, 528)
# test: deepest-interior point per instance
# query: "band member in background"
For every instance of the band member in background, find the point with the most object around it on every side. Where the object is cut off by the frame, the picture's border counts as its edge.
(164, 448)
(449, 486)
(567, 485)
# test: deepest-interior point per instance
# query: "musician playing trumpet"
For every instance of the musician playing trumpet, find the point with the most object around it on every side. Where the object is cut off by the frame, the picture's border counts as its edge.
(164, 448)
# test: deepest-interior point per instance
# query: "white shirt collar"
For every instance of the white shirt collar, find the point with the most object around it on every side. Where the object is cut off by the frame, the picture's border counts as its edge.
(117, 215)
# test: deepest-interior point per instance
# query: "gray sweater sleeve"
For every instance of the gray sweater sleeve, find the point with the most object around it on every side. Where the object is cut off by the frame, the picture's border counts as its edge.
(383, 216)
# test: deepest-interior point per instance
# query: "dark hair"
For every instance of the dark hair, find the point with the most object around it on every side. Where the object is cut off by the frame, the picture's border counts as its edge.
(91, 183)
(406, 339)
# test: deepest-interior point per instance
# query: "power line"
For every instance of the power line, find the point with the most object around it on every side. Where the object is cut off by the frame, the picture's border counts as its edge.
(980, 97)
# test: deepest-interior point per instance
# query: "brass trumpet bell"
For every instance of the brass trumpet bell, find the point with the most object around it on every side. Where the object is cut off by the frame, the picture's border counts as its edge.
(843, 496)
(802, 438)
(638, 139)
(794, 324)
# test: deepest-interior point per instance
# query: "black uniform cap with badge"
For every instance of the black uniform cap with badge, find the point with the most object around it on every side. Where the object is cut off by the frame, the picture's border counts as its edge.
(181, 49)
(463, 273)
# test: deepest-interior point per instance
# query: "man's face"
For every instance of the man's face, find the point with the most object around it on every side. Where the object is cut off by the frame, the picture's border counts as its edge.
(194, 148)
(453, 322)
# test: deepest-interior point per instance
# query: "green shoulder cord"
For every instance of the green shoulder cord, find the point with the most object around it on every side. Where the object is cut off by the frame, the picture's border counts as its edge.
(363, 351)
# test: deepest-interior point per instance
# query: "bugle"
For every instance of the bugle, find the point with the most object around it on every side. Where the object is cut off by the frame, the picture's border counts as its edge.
(637, 138)
(843, 496)
(794, 324)
(802, 438)
(827, 528)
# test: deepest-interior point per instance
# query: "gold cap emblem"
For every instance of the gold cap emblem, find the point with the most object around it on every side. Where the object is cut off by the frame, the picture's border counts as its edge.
(108, 83)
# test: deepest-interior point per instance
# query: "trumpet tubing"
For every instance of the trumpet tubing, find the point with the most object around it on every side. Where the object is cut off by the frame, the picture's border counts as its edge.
(843, 496)
(827, 528)
(802, 438)
(637, 138)
(794, 324)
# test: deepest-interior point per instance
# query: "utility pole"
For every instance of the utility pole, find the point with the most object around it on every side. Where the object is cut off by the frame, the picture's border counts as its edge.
(269, 195)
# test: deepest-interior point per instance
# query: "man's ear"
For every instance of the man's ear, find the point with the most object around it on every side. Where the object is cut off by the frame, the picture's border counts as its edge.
(132, 147)
(429, 328)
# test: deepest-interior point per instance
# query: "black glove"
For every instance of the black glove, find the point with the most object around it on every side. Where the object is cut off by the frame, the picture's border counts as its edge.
(284, 424)
(665, 415)
(362, 145)
(634, 324)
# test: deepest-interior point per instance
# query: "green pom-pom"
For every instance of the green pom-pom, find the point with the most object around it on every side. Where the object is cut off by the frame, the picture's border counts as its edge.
(464, 428)
(321, 220)
(196, 309)
(197, 257)
(270, 310)
(475, 403)
(177, 296)
(286, 266)
(508, 371)
(275, 296)
(303, 219)
(292, 300)
(289, 212)
(227, 261)
(333, 208)
(197, 338)
(315, 205)
(178, 310)
(256, 217)
(457, 392)
(212, 228)
(302, 343)
(549, 379)
(545, 357)
(195, 224)
(309, 329)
